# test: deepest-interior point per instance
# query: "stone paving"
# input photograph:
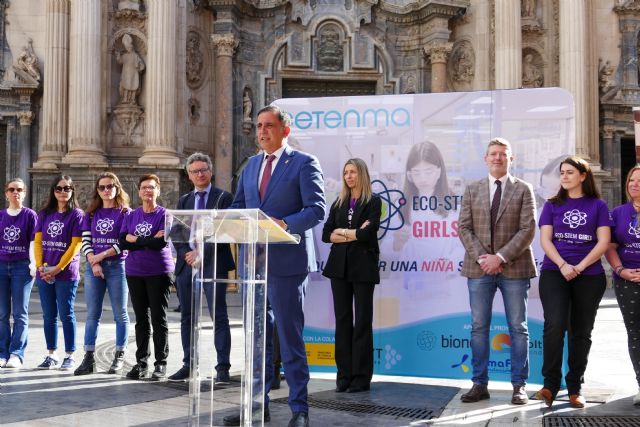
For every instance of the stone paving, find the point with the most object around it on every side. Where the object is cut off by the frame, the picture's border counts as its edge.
(29, 397)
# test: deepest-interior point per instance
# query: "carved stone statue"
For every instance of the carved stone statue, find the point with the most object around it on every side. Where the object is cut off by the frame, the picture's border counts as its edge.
(531, 74)
(247, 106)
(463, 66)
(605, 76)
(528, 8)
(195, 60)
(330, 52)
(132, 66)
(27, 61)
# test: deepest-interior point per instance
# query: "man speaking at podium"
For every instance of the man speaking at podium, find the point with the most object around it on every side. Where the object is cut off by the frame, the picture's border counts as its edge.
(288, 186)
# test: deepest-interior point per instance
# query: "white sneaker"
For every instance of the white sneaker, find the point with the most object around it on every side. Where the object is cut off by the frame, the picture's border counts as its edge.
(636, 399)
(3, 362)
(13, 362)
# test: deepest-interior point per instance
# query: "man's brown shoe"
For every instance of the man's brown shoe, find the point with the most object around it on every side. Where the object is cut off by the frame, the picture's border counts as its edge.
(519, 396)
(545, 395)
(577, 400)
(477, 393)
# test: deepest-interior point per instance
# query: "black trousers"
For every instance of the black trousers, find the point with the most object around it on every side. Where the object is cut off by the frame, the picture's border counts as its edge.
(629, 303)
(150, 300)
(569, 307)
(354, 334)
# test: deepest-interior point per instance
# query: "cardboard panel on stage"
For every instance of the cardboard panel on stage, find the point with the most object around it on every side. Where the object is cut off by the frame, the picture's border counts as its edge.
(422, 150)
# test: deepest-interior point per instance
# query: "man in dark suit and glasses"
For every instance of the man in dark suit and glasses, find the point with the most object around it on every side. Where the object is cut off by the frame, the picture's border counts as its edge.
(204, 196)
(496, 226)
(288, 186)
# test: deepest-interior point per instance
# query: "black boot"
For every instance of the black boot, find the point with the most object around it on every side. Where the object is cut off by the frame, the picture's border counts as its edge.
(88, 365)
(118, 362)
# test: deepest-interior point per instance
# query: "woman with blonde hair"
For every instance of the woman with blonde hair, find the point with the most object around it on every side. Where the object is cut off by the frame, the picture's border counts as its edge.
(352, 266)
(105, 268)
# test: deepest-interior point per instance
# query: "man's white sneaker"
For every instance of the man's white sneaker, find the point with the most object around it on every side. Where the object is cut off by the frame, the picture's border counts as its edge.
(13, 362)
(3, 362)
(636, 399)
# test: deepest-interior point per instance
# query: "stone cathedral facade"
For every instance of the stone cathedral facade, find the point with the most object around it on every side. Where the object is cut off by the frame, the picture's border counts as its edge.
(135, 86)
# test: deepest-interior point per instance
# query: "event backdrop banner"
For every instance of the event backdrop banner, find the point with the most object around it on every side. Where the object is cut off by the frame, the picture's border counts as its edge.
(422, 150)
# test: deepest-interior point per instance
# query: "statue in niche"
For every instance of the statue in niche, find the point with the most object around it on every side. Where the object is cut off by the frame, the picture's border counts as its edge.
(195, 60)
(463, 66)
(132, 66)
(528, 9)
(247, 105)
(330, 52)
(605, 76)
(531, 74)
(27, 61)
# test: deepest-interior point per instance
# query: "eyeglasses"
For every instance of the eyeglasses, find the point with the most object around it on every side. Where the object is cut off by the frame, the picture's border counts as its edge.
(14, 190)
(65, 189)
(148, 188)
(199, 171)
(106, 187)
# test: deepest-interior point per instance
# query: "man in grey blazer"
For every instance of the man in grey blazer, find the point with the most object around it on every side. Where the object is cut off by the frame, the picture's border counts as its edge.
(496, 226)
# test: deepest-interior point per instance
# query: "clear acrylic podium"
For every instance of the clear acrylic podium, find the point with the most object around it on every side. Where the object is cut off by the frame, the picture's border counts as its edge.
(254, 230)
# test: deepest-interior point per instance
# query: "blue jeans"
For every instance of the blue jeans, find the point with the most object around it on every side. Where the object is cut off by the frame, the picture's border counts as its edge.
(58, 298)
(15, 290)
(94, 290)
(514, 294)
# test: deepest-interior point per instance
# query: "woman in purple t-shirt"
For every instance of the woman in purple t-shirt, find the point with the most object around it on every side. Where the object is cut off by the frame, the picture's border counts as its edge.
(17, 225)
(574, 234)
(105, 268)
(624, 256)
(148, 267)
(56, 250)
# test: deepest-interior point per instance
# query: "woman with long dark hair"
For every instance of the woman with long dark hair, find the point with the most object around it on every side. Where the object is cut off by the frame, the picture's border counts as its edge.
(56, 249)
(574, 234)
(624, 256)
(352, 266)
(105, 268)
(17, 224)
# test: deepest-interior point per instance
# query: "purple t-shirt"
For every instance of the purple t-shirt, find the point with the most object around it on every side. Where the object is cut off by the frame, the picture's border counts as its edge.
(57, 230)
(575, 225)
(626, 233)
(147, 261)
(105, 225)
(17, 233)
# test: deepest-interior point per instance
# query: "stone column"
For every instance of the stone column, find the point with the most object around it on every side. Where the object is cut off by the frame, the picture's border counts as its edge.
(84, 84)
(23, 149)
(573, 66)
(160, 116)
(439, 53)
(508, 44)
(225, 45)
(54, 110)
(608, 133)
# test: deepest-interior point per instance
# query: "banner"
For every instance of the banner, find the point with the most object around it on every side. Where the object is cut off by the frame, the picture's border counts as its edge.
(422, 151)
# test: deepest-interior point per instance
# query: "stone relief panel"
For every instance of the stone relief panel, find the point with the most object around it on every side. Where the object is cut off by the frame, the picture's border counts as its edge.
(298, 50)
(195, 60)
(362, 51)
(408, 82)
(532, 69)
(461, 66)
(330, 48)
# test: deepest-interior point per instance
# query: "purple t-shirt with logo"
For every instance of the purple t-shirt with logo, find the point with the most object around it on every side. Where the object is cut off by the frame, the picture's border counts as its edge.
(146, 261)
(105, 225)
(626, 233)
(17, 232)
(57, 230)
(575, 225)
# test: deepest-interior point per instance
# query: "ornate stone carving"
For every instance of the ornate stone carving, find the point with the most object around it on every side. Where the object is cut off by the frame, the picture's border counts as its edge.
(195, 61)
(528, 8)
(194, 110)
(438, 52)
(25, 118)
(605, 75)
(225, 44)
(409, 83)
(532, 75)
(132, 66)
(330, 50)
(128, 116)
(301, 10)
(26, 65)
(461, 65)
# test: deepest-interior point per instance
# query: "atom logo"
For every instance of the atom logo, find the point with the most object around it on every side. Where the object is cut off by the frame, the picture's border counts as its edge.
(55, 228)
(11, 233)
(574, 218)
(391, 217)
(391, 357)
(143, 229)
(634, 231)
(103, 226)
(426, 340)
